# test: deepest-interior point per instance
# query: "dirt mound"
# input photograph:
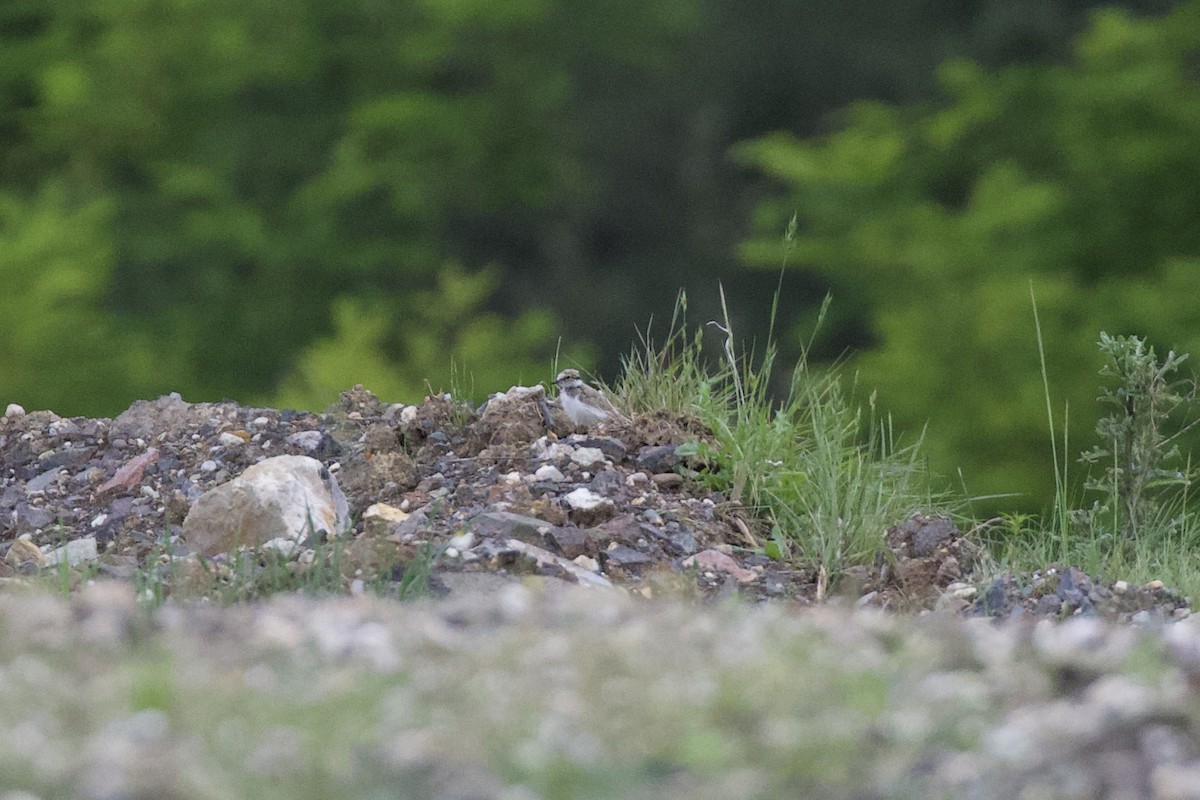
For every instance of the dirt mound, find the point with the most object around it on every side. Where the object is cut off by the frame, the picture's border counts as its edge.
(510, 489)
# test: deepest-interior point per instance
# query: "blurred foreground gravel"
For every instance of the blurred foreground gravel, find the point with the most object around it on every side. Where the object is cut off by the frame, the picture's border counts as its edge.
(583, 693)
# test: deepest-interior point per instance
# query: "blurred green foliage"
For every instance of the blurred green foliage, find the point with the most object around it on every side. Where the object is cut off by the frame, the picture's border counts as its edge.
(239, 184)
(272, 200)
(932, 222)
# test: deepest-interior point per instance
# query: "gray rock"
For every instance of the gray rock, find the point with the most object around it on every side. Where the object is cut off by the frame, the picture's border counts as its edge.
(657, 459)
(571, 542)
(74, 553)
(550, 563)
(30, 518)
(42, 481)
(613, 448)
(147, 418)
(932, 534)
(607, 482)
(624, 556)
(506, 525)
(587, 457)
(68, 457)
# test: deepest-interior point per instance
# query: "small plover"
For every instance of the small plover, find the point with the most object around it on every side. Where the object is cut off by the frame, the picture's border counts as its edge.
(583, 404)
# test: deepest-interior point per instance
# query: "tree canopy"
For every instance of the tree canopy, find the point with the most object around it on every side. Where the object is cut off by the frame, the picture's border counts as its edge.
(1078, 181)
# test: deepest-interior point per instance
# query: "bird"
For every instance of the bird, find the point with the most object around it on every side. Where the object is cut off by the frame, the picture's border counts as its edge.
(584, 404)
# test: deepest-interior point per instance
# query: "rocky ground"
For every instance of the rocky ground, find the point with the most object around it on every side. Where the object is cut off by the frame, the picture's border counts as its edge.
(507, 491)
(575, 643)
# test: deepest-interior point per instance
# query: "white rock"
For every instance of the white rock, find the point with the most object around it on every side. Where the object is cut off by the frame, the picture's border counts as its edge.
(464, 541)
(517, 394)
(14, 410)
(586, 562)
(382, 512)
(549, 472)
(285, 547)
(583, 499)
(408, 414)
(587, 457)
(285, 497)
(545, 450)
(230, 440)
(307, 440)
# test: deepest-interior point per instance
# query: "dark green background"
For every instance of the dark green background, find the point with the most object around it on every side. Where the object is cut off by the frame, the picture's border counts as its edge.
(272, 200)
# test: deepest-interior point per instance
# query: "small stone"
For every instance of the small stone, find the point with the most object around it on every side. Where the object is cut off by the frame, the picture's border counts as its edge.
(586, 562)
(308, 441)
(261, 422)
(1120, 587)
(931, 533)
(29, 518)
(949, 570)
(549, 472)
(657, 459)
(74, 552)
(507, 525)
(625, 556)
(42, 481)
(381, 519)
(716, 560)
(949, 604)
(587, 457)
(571, 542)
(652, 516)
(667, 480)
(583, 499)
(1142, 617)
(1154, 585)
(464, 541)
(130, 473)
(24, 552)
(14, 411)
(637, 479)
(230, 440)
(545, 560)
(589, 508)
(613, 448)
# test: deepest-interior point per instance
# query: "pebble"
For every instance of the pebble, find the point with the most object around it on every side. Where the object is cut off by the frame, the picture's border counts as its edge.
(583, 499)
(230, 440)
(14, 411)
(667, 480)
(549, 472)
(464, 541)
(587, 457)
